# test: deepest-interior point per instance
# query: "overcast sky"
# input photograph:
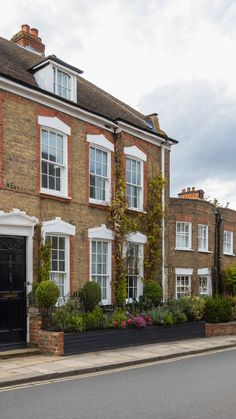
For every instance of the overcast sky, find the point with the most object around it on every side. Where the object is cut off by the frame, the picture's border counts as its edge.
(173, 57)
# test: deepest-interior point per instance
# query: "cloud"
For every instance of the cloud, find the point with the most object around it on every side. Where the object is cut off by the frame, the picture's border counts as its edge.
(201, 115)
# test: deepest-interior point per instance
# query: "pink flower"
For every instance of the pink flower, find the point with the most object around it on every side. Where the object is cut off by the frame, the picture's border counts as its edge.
(130, 322)
(123, 324)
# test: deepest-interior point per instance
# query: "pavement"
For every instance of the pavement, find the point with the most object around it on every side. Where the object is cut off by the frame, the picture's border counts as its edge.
(27, 366)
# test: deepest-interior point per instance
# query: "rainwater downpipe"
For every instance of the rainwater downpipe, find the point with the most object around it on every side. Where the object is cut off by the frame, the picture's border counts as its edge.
(163, 221)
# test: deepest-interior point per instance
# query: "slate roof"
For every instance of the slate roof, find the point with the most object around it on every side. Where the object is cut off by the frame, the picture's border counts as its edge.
(17, 63)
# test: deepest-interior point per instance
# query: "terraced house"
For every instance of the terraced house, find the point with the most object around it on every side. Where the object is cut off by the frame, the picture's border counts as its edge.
(201, 243)
(58, 139)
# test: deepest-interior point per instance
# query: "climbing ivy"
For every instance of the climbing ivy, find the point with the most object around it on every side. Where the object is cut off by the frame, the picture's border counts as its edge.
(45, 261)
(153, 228)
(122, 225)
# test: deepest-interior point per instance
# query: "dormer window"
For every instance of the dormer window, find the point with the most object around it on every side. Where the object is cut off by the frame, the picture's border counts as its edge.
(61, 83)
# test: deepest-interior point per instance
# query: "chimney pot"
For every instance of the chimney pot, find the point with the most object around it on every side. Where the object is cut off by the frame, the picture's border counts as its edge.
(193, 188)
(25, 28)
(34, 32)
(188, 189)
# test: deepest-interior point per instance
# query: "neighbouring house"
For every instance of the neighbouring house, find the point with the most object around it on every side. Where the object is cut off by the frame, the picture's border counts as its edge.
(59, 136)
(201, 243)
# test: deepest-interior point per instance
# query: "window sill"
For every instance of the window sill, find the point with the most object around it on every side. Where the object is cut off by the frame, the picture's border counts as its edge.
(229, 254)
(204, 251)
(140, 211)
(97, 202)
(184, 249)
(62, 198)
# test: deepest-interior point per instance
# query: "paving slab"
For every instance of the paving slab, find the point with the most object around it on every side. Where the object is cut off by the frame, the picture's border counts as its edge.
(33, 367)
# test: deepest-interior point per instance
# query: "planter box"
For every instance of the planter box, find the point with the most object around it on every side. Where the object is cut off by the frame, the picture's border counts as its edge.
(99, 340)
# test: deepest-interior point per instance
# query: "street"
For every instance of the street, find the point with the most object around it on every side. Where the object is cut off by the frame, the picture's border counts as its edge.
(191, 388)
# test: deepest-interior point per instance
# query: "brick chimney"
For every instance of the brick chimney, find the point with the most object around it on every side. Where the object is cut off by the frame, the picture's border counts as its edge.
(191, 193)
(28, 38)
(155, 123)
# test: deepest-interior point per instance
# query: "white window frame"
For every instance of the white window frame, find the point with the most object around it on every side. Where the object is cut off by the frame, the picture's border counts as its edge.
(140, 240)
(200, 291)
(66, 271)
(135, 153)
(182, 234)
(205, 273)
(228, 243)
(60, 228)
(57, 86)
(105, 235)
(188, 291)
(202, 238)
(99, 142)
(55, 125)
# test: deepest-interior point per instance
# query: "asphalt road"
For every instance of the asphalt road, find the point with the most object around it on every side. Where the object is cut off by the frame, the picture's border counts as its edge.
(197, 387)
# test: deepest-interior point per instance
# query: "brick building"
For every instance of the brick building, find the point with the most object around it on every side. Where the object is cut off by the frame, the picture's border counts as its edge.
(202, 244)
(58, 137)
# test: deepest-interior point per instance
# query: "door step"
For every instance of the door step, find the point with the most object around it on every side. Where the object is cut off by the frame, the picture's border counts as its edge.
(18, 352)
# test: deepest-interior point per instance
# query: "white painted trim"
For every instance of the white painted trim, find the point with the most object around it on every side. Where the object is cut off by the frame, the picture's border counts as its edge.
(109, 266)
(63, 193)
(79, 113)
(204, 271)
(140, 209)
(65, 69)
(146, 136)
(137, 238)
(56, 104)
(54, 123)
(190, 236)
(134, 151)
(101, 141)
(102, 233)
(57, 226)
(108, 190)
(183, 271)
(18, 223)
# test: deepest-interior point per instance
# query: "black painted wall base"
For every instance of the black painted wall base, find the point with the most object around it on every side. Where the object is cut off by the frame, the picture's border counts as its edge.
(99, 340)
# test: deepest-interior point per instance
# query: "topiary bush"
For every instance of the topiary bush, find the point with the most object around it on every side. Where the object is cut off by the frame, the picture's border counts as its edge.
(47, 294)
(152, 293)
(90, 295)
(217, 309)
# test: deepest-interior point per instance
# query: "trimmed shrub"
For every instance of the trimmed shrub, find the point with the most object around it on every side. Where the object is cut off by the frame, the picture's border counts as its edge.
(67, 317)
(94, 319)
(47, 294)
(193, 307)
(217, 309)
(90, 295)
(178, 314)
(152, 294)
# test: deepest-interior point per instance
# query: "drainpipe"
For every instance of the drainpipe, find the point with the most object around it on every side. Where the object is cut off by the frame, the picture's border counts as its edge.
(217, 256)
(163, 222)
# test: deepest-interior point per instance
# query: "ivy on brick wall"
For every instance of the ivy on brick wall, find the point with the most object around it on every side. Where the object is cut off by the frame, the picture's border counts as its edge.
(122, 225)
(45, 261)
(152, 223)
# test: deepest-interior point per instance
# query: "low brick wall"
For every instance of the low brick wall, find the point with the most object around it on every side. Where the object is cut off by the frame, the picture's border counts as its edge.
(51, 342)
(220, 329)
(35, 325)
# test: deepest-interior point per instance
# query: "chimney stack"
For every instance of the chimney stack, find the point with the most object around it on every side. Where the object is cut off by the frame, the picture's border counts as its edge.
(191, 193)
(28, 38)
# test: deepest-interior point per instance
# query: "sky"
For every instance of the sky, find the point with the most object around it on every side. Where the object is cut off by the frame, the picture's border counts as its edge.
(173, 57)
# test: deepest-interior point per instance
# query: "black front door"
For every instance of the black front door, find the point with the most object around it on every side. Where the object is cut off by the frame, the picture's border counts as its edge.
(12, 290)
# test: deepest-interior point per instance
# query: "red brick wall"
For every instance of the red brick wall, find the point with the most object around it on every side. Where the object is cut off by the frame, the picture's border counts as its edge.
(220, 329)
(35, 328)
(51, 342)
